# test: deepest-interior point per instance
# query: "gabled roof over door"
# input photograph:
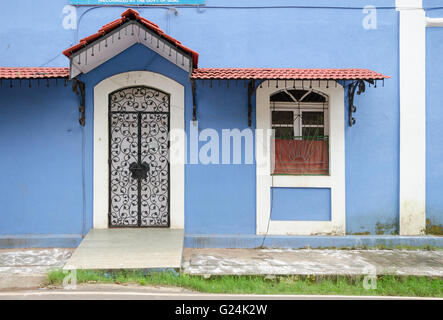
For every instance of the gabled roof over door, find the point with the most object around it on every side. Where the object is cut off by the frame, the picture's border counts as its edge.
(117, 36)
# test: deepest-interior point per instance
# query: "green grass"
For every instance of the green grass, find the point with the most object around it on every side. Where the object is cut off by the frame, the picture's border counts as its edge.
(341, 285)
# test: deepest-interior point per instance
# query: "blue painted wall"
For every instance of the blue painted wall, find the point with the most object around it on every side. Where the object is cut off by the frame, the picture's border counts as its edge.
(41, 160)
(301, 204)
(434, 120)
(220, 199)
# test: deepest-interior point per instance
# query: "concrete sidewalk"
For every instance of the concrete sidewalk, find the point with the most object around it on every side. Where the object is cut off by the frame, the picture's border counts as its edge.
(27, 268)
(312, 262)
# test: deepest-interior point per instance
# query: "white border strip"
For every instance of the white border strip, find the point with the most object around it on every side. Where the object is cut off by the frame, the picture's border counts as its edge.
(412, 46)
(101, 145)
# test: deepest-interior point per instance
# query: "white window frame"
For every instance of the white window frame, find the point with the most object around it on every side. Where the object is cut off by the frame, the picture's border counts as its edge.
(265, 152)
(297, 108)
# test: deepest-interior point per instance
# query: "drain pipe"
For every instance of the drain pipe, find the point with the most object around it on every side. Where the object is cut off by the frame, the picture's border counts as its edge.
(79, 88)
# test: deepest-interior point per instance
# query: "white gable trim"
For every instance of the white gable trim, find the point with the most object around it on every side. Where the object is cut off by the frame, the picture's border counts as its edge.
(101, 142)
(120, 39)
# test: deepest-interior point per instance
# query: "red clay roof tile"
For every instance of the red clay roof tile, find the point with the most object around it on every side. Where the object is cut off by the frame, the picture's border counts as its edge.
(33, 73)
(218, 73)
(286, 73)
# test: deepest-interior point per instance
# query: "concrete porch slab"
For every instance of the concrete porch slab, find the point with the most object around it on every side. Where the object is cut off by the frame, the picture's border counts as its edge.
(129, 249)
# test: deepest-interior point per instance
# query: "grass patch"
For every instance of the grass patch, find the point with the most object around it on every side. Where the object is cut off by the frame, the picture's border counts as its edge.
(336, 285)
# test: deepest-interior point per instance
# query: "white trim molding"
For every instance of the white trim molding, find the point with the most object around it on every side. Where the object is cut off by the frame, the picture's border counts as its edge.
(101, 145)
(412, 47)
(434, 22)
(335, 180)
(408, 4)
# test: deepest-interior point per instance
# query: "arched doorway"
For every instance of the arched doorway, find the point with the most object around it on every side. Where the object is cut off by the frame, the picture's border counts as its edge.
(161, 106)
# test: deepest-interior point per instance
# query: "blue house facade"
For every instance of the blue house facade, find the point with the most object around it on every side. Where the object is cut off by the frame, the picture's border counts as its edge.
(269, 124)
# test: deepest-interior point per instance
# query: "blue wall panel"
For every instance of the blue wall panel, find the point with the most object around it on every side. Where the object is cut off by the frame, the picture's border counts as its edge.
(40, 139)
(220, 198)
(301, 204)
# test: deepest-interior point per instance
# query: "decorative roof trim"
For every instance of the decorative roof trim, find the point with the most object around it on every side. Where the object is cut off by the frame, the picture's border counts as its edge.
(121, 38)
(133, 15)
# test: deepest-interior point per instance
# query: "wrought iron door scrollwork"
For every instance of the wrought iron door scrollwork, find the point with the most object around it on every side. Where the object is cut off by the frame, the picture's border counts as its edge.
(139, 154)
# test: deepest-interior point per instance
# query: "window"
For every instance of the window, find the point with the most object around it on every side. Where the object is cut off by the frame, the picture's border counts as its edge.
(283, 124)
(300, 121)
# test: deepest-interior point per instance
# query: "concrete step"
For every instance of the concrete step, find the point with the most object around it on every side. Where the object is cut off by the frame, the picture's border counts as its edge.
(108, 249)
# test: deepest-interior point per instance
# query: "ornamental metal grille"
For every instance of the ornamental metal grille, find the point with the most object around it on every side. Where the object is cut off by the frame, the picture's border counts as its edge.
(138, 158)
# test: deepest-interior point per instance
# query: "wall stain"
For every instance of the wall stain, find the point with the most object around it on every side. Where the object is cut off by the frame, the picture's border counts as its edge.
(434, 229)
(364, 233)
(387, 228)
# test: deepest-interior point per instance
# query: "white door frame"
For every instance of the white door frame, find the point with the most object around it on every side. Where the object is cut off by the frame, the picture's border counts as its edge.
(101, 143)
(335, 180)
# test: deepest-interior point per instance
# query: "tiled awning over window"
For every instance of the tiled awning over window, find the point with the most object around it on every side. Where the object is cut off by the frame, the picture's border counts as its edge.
(352, 78)
(286, 74)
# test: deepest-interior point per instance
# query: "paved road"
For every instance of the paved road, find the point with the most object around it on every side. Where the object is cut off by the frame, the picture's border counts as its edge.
(114, 292)
(152, 296)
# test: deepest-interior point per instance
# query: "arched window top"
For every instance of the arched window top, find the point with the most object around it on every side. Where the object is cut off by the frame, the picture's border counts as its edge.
(139, 99)
(298, 95)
